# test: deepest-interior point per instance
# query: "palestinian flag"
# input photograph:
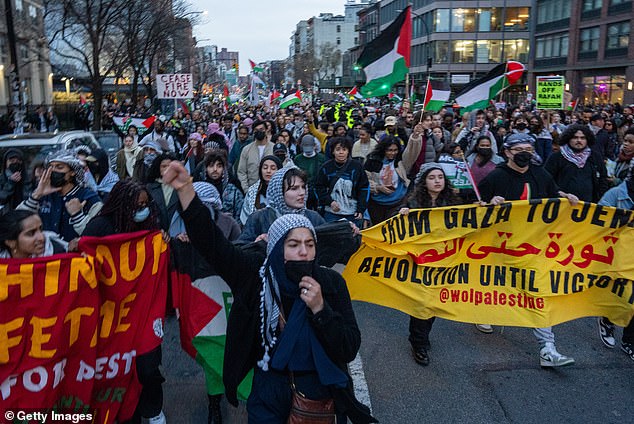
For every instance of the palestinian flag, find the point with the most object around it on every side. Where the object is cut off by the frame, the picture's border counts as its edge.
(394, 97)
(291, 99)
(203, 300)
(274, 95)
(255, 67)
(479, 93)
(385, 60)
(436, 95)
(354, 93)
(141, 124)
(573, 104)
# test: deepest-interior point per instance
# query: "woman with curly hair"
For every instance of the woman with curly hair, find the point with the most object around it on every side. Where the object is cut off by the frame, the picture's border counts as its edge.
(432, 189)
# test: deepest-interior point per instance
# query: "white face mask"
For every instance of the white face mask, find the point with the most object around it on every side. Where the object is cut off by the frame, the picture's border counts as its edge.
(141, 215)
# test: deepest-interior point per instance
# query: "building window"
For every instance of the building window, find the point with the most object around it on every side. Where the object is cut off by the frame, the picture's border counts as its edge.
(18, 6)
(462, 51)
(615, 2)
(441, 51)
(516, 19)
(32, 11)
(441, 20)
(603, 89)
(551, 46)
(618, 35)
(463, 20)
(552, 10)
(490, 19)
(591, 5)
(516, 50)
(589, 38)
(24, 52)
(338, 41)
(488, 51)
(338, 28)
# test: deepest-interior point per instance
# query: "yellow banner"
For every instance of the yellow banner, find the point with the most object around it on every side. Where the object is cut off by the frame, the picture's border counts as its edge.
(528, 264)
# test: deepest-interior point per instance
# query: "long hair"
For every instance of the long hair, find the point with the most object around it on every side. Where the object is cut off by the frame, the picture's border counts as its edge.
(264, 185)
(571, 130)
(155, 169)
(381, 148)
(121, 207)
(422, 199)
(11, 225)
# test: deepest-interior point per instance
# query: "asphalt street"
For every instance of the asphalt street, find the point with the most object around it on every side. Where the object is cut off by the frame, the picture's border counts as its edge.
(472, 378)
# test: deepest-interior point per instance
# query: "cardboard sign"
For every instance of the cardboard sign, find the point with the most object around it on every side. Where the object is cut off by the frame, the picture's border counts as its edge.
(174, 86)
(550, 92)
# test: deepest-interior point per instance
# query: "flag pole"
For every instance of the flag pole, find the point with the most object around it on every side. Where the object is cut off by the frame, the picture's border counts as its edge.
(424, 98)
(470, 175)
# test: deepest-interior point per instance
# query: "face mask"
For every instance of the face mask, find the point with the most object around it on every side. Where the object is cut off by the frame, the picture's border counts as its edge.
(520, 126)
(308, 151)
(485, 151)
(141, 215)
(522, 159)
(15, 167)
(58, 179)
(259, 135)
(149, 158)
(281, 157)
(295, 270)
(534, 129)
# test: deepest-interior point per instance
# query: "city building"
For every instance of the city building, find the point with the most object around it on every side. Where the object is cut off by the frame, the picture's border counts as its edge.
(33, 58)
(456, 41)
(588, 42)
(319, 43)
(228, 64)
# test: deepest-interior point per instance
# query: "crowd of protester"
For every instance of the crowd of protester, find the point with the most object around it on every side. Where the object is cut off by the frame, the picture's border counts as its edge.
(257, 166)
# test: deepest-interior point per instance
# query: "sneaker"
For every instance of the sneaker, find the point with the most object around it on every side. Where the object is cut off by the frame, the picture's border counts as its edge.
(629, 349)
(606, 333)
(420, 355)
(484, 328)
(159, 419)
(549, 357)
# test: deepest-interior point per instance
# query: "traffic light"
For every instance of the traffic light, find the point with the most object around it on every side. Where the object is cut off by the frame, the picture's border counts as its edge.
(235, 66)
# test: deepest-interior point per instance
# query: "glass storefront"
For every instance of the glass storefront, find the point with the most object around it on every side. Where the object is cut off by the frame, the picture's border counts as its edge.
(603, 89)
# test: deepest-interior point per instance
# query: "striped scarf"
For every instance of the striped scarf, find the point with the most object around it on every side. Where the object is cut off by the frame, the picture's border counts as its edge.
(577, 158)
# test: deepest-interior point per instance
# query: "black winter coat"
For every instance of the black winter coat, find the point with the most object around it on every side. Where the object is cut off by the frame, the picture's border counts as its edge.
(335, 326)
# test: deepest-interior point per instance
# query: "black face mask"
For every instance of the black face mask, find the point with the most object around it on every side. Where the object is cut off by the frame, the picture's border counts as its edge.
(58, 179)
(485, 152)
(259, 135)
(520, 126)
(15, 167)
(295, 270)
(522, 159)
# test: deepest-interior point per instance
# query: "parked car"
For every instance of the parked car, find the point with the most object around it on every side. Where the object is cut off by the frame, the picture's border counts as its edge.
(40, 145)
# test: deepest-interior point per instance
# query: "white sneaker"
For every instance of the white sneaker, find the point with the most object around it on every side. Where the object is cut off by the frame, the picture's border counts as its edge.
(159, 419)
(549, 357)
(484, 328)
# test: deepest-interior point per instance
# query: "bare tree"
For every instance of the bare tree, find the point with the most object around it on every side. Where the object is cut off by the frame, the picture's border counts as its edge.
(88, 33)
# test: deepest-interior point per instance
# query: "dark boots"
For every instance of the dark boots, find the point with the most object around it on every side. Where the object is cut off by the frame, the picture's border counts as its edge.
(215, 416)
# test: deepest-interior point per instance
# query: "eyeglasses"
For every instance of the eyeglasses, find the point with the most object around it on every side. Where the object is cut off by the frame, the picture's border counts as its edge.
(519, 149)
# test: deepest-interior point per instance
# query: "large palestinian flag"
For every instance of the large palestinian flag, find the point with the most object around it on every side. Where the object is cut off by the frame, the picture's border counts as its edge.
(141, 124)
(203, 300)
(385, 60)
(479, 93)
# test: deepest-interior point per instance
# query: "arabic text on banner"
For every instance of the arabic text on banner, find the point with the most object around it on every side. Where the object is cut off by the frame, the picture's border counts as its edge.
(530, 264)
(71, 326)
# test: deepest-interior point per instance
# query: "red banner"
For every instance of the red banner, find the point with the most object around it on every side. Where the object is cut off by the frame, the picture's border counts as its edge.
(71, 326)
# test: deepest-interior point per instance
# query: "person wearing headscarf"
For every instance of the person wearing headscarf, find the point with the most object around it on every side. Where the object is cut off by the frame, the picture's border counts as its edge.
(432, 189)
(61, 199)
(127, 157)
(476, 127)
(255, 198)
(12, 179)
(193, 151)
(622, 197)
(305, 329)
(99, 166)
(286, 193)
(151, 150)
